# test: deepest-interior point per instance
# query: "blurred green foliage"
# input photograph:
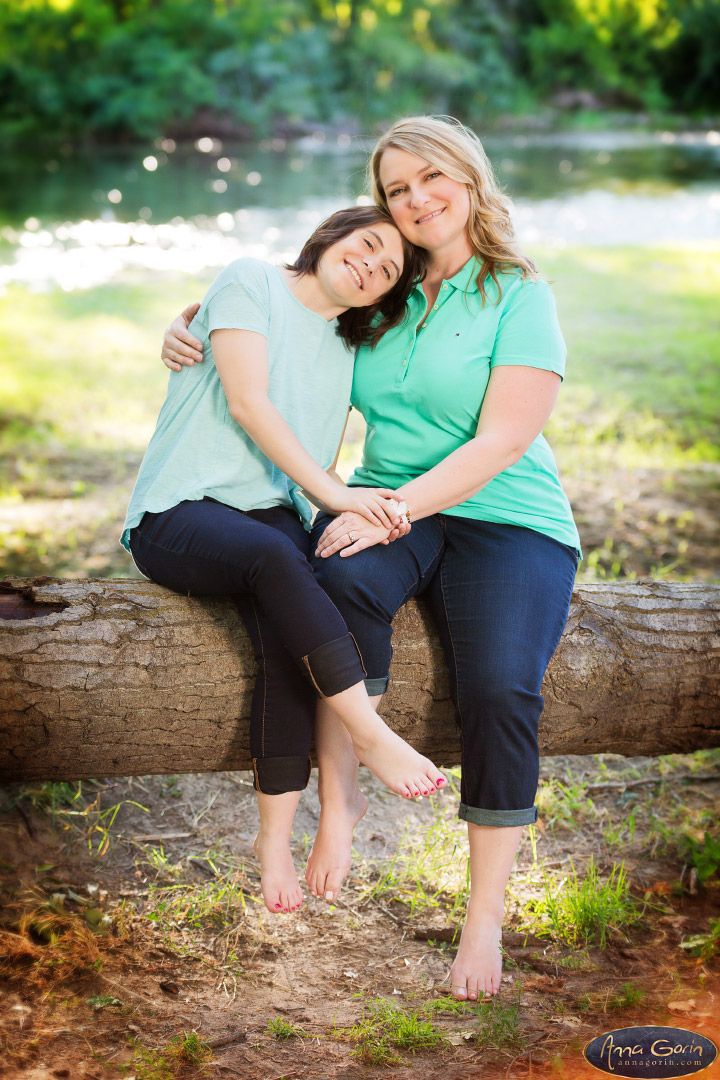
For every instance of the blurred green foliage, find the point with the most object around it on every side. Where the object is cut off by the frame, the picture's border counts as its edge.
(141, 68)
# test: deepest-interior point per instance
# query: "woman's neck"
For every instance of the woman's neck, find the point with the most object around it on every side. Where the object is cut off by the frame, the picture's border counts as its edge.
(444, 264)
(307, 289)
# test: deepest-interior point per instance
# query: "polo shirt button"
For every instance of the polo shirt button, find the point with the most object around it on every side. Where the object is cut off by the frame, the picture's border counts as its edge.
(435, 308)
(424, 325)
(445, 285)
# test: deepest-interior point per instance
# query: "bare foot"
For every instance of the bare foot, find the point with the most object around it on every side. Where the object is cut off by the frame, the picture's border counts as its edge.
(478, 964)
(278, 881)
(329, 860)
(395, 763)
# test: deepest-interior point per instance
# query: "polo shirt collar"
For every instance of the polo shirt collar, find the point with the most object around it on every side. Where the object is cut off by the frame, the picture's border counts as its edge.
(466, 278)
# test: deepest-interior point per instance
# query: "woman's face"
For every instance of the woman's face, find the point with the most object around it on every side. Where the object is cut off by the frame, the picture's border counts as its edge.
(357, 270)
(429, 208)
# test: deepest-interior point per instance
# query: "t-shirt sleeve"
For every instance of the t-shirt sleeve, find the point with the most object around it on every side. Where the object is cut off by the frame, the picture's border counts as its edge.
(528, 331)
(239, 300)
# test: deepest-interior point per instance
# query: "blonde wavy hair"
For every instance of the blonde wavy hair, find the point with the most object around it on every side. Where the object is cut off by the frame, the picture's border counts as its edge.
(448, 145)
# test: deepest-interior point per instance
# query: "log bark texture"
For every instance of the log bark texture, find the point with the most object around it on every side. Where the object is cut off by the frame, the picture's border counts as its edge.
(120, 677)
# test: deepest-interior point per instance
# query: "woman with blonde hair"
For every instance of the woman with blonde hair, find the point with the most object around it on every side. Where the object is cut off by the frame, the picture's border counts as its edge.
(455, 399)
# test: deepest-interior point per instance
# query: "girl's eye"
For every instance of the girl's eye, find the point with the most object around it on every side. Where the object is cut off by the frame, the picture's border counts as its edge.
(386, 272)
(368, 243)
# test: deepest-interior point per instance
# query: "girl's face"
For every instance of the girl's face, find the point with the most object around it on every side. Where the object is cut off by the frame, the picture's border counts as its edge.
(429, 208)
(357, 270)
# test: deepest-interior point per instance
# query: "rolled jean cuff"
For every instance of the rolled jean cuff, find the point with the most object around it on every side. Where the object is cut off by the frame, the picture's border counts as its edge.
(376, 687)
(336, 666)
(276, 775)
(499, 818)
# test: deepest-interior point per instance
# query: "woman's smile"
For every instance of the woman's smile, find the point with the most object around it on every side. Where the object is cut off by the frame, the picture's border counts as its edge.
(429, 217)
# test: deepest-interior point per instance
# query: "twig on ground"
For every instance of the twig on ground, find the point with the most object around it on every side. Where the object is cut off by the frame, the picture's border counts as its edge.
(620, 785)
(395, 919)
(228, 1040)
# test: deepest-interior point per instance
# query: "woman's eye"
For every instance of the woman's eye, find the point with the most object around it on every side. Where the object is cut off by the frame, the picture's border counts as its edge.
(395, 191)
(432, 175)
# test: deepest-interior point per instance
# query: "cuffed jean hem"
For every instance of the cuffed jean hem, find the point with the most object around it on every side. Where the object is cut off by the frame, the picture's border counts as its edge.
(376, 687)
(499, 818)
(336, 666)
(278, 775)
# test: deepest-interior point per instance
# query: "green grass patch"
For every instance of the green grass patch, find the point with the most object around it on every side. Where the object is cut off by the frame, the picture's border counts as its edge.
(386, 1028)
(584, 910)
(283, 1029)
(431, 873)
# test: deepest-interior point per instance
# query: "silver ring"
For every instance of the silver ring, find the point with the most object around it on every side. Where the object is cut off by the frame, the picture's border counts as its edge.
(351, 538)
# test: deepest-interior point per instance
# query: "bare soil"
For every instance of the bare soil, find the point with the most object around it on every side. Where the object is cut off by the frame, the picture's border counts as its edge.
(83, 1005)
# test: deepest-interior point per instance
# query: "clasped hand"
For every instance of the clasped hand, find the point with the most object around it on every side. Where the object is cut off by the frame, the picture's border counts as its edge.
(350, 532)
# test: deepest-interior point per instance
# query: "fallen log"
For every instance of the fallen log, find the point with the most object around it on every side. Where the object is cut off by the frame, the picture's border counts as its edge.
(120, 677)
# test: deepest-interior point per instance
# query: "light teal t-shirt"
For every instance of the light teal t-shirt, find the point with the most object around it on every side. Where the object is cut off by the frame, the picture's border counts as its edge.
(198, 449)
(420, 393)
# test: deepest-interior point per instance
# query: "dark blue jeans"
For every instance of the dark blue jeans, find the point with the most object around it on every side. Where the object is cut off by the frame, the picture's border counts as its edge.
(301, 643)
(499, 595)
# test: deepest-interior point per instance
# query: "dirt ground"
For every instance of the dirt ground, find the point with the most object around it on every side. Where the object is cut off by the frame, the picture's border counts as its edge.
(87, 997)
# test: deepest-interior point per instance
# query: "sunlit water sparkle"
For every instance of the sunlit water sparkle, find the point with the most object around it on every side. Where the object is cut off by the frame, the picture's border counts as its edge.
(81, 254)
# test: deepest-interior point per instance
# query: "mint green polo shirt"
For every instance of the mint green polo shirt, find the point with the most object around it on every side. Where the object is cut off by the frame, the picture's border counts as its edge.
(421, 391)
(199, 449)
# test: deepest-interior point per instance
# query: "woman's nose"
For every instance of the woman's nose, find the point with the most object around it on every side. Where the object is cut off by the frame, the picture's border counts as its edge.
(417, 197)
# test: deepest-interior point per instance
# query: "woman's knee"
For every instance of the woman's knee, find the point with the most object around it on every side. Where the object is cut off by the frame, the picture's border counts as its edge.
(498, 696)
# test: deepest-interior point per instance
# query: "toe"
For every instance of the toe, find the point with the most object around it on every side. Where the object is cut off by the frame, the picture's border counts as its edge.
(333, 884)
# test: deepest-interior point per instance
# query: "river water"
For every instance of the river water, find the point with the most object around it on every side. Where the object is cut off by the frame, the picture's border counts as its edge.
(74, 219)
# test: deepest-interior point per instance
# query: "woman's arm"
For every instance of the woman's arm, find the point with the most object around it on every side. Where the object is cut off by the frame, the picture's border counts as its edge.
(241, 359)
(517, 405)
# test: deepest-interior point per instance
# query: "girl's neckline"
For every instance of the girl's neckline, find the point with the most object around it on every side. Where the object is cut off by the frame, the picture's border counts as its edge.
(308, 311)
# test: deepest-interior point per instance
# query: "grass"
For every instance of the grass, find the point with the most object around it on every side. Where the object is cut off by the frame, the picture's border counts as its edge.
(386, 1028)
(705, 946)
(564, 805)
(171, 1060)
(584, 910)
(433, 874)
(78, 810)
(635, 428)
(176, 902)
(284, 1029)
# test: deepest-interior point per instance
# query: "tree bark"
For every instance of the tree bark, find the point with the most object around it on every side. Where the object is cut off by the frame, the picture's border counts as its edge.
(120, 677)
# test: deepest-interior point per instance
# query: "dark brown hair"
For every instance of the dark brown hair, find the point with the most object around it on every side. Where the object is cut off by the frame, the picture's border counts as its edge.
(364, 325)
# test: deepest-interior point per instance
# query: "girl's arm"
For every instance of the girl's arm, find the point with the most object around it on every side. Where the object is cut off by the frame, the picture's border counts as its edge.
(517, 405)
(242, 363)
(180, 347)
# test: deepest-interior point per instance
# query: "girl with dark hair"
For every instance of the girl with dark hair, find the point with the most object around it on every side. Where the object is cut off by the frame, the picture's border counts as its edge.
(220, 506)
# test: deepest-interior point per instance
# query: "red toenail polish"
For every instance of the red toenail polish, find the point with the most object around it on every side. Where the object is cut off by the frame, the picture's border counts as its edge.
(426, 792)
(277, 905)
